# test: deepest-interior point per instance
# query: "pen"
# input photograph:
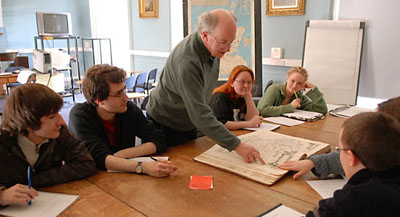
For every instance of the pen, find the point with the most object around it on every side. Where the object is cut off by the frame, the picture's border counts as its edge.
(268, 211)
(29, 182)
(155, 159)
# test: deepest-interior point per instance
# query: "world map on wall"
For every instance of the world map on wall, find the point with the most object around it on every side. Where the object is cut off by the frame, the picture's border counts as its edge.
(241, 52)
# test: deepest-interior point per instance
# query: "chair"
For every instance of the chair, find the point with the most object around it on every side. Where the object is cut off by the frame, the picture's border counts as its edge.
(11, 85)
(130, 83)
(151, 78)
(269, 83)
(140, 85)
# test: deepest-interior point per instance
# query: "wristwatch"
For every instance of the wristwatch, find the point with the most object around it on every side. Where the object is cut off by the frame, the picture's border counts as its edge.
(139, 167)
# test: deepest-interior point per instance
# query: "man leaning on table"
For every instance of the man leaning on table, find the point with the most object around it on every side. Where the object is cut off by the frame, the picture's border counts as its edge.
(108, 123)
(179, 103)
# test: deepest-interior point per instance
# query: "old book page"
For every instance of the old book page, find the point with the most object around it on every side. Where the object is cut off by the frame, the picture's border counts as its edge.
(274, 148)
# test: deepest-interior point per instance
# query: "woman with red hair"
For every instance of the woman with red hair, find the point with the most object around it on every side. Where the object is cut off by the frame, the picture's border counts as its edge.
(232, 103)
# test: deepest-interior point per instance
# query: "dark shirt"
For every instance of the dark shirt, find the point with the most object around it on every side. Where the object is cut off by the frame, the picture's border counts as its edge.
(60, 160)
(87, 125)
(365, 194)
(224, 108)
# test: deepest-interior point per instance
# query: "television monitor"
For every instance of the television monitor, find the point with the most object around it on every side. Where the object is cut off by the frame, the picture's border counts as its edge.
(53, 24)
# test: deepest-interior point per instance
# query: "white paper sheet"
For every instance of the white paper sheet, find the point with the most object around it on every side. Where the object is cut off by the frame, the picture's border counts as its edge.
(282, 211)
(327, 187)
(46, 204)
(264, 126)
(142, 159)
(284, 121)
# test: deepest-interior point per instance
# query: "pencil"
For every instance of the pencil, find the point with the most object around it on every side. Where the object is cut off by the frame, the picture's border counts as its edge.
(295, 94)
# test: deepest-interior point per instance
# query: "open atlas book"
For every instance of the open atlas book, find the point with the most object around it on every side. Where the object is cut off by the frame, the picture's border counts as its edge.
(275, 149)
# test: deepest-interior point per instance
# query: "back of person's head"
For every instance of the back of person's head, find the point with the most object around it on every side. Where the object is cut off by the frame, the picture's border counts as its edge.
(26, 105)
(391, 107)
(227, 87)
(95, 84)
(300, 70)
(209, 20)
(374, 137)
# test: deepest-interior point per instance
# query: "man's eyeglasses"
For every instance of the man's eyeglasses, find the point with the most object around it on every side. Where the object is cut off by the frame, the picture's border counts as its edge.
(338, 149)
(242, 82)
(119, 94)
(224, 44)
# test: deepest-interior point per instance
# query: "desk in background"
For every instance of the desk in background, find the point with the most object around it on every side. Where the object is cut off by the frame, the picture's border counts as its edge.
(232, 195)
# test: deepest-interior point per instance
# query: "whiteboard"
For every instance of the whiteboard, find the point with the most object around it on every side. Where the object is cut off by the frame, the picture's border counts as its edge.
(332, 57)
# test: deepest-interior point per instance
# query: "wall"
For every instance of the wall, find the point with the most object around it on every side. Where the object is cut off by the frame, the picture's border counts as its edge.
(20, 20)
(150, 34)
(380, 68)
(287, 32)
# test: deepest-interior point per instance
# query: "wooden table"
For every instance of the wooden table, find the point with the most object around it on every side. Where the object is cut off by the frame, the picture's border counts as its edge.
(123, 194)
(6, 79)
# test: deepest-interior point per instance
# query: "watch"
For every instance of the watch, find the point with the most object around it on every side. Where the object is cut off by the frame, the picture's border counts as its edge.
(139, 167)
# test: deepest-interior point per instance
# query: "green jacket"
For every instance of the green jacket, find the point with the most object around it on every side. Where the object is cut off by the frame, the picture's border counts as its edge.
(180, 100)
(271, 103)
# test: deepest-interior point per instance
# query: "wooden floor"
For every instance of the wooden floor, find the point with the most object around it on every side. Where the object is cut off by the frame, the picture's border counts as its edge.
(125, 194)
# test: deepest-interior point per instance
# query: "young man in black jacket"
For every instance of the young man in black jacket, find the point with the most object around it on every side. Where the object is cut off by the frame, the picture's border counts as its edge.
(34, 135)
(369, 145)
(108, 123)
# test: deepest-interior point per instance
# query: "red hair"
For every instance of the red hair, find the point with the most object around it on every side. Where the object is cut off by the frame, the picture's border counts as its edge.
(227, 87)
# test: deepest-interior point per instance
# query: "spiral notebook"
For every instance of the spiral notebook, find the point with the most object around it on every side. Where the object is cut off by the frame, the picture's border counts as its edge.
(304, 115)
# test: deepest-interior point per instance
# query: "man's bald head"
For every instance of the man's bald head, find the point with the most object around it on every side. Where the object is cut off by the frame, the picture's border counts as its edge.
(209, 20)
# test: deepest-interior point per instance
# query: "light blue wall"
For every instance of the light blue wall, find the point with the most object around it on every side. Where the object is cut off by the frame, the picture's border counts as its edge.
(151, 34)
(287, 32)
(20, 20)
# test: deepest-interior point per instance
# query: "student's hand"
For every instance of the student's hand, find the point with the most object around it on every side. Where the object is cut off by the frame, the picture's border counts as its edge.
(256, 121)
(302, 166)
(161, 168)
(295, 103)
(17, 194)
(248, 95)
(308, 85)
(248, 153)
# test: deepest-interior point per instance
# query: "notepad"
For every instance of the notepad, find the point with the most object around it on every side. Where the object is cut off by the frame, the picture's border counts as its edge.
(142, 159)
(284, 121)
(201, 182)
(263, 126)
(46, 204)
(281, 211)
(327, 187)
(349, 111)
(304, 115)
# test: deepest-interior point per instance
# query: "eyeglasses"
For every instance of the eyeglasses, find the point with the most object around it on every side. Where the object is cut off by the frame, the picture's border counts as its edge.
(119, 94)
(242, 82)
(338, 149)
(224, 44)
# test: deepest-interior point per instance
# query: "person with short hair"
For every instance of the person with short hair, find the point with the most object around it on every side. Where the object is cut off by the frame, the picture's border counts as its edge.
(369, 145)
(285, 98)
(33, 134)
(108, 123)
(323, 165)
(179, 104)
(232, 103)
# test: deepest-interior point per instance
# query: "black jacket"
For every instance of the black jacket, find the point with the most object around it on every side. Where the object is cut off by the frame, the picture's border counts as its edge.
(87, 126)
(365, 194)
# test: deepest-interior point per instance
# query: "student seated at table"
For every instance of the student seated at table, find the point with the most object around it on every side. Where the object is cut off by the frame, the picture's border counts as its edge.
(369, 145)
(325, 164)
(281, 98)
(232, 103)
(33, 134)
(108, 123)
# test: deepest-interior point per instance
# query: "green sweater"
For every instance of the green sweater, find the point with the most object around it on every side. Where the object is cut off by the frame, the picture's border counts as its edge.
(180, 100)
(271, 103)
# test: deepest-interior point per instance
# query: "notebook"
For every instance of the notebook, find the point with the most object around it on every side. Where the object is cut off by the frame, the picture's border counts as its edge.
(349, 111)
(46, 204)
(304, 115)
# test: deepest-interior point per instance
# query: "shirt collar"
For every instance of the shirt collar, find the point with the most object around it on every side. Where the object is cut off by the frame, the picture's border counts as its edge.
(203, 51)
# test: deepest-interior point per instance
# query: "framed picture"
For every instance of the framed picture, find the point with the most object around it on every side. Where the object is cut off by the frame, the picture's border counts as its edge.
(285, 7)
(148, 8)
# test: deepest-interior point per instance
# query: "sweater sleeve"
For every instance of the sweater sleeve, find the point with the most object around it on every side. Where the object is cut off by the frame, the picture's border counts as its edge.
(86, 128)
(270, 104)
(77, 162)
(220, 106)
(325, 164)
(199, 111)
(314, 101)
(147, 132)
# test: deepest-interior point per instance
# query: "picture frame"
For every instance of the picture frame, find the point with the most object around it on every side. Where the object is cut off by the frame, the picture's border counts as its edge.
(285, 7)
(148, 8)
